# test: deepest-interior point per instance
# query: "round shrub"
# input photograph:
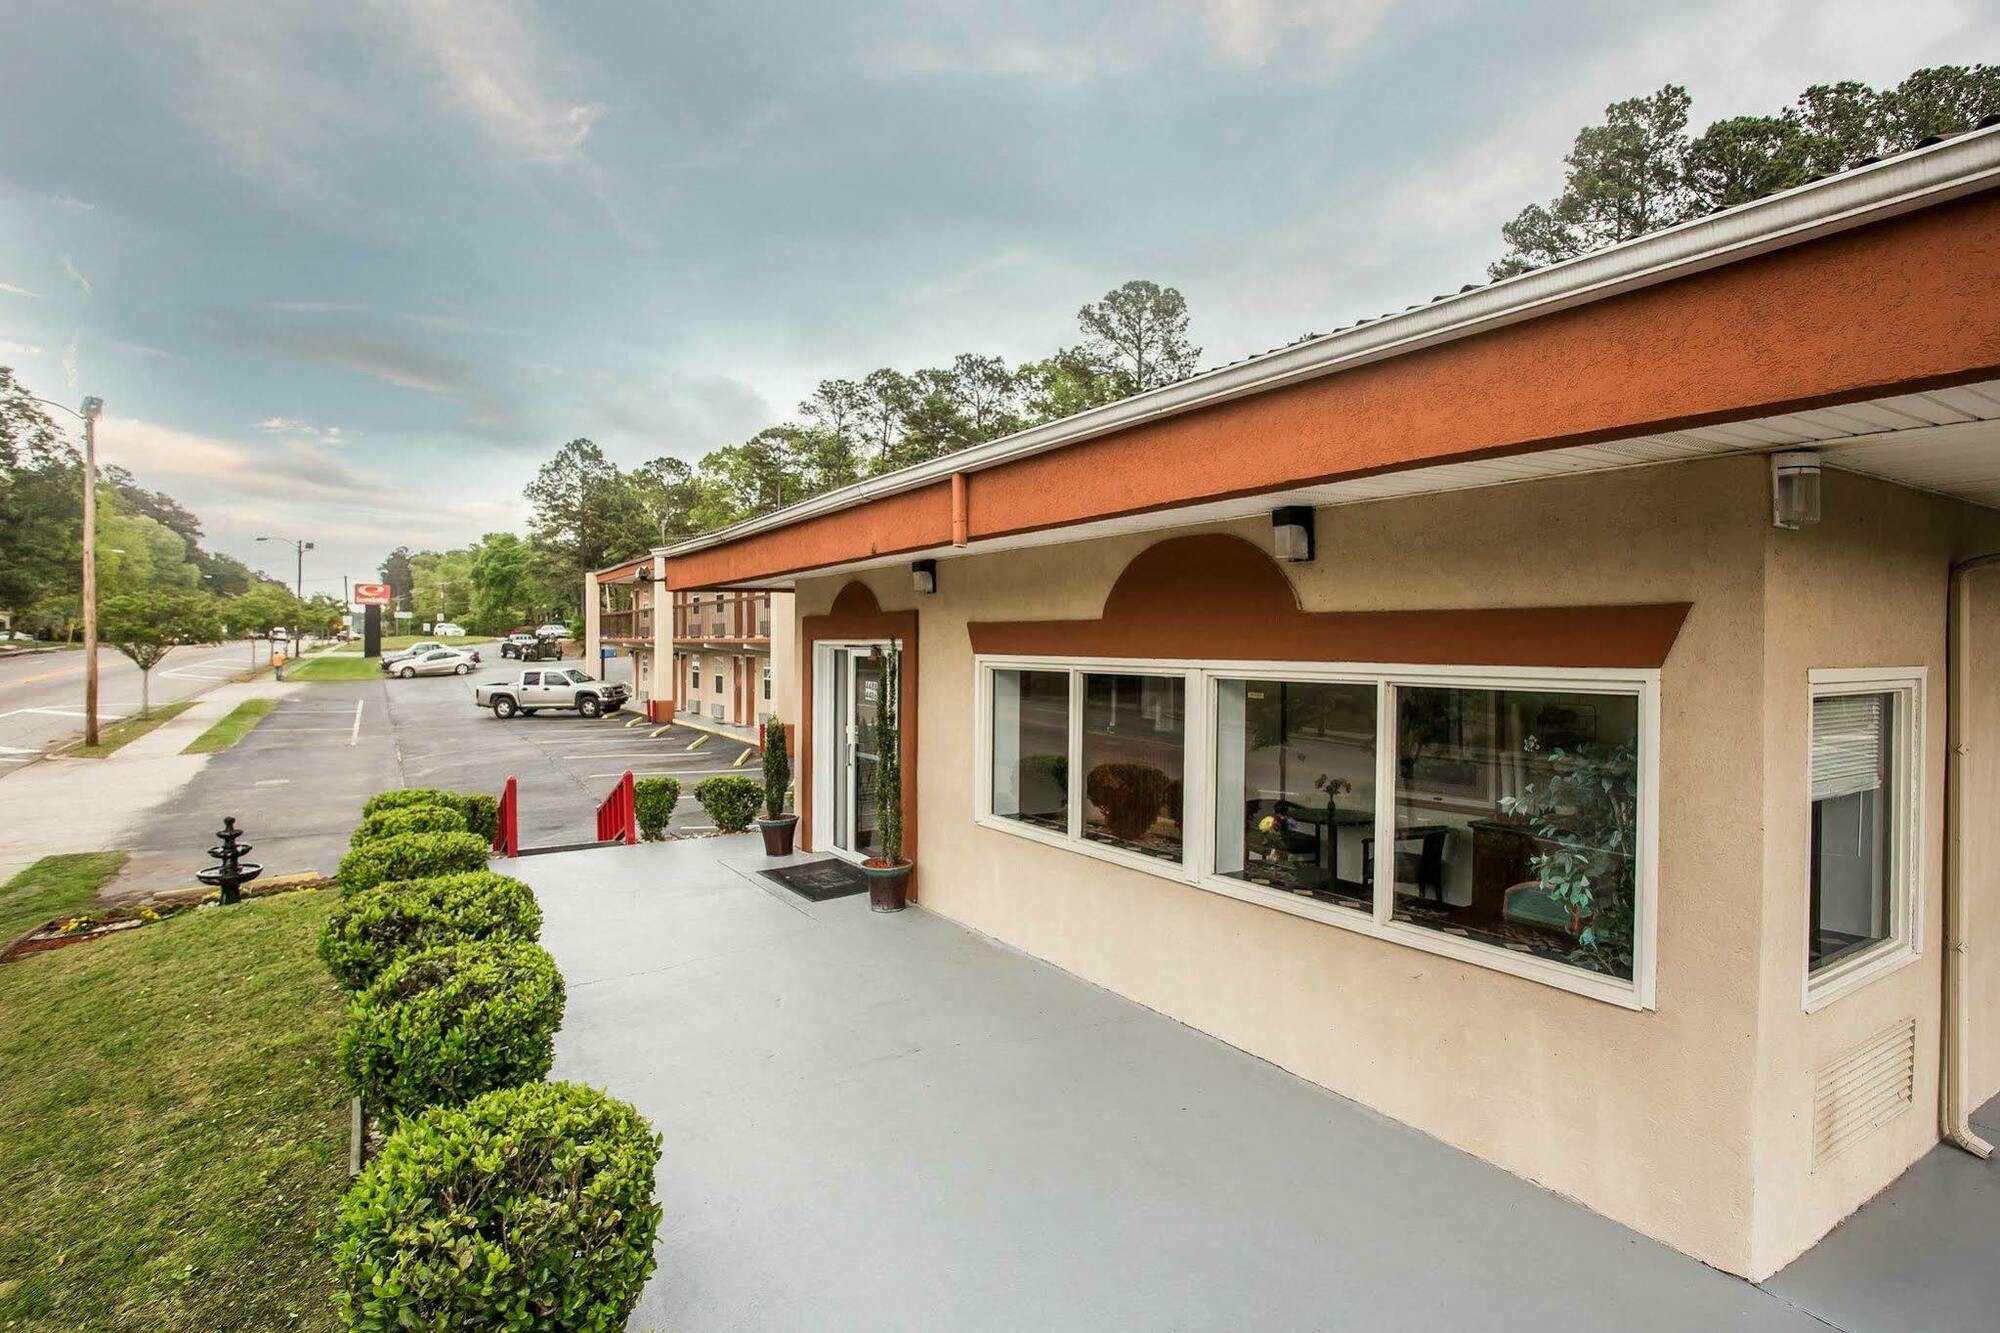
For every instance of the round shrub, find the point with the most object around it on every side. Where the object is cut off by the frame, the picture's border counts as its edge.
(410, 856)
(1130, 795)
(655, 799)
(529, 1207)
(398, 798)
(445, 1024)
(481, 812)
(373, 929)
(730, 801)
(407, 819)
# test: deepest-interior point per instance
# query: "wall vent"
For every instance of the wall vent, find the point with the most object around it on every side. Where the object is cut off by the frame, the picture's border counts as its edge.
(1865, 1088)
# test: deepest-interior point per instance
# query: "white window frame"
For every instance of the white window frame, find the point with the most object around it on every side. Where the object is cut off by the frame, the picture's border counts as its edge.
(1200, 775)
(1905, 823)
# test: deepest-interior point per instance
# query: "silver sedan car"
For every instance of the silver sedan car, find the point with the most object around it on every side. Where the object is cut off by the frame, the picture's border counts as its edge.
(437, 662)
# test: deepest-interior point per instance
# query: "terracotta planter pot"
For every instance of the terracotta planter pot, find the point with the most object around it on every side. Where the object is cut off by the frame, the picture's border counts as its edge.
(888, 885)
(778, 834)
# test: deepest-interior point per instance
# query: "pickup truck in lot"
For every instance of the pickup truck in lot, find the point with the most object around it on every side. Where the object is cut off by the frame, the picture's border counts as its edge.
(551, 687)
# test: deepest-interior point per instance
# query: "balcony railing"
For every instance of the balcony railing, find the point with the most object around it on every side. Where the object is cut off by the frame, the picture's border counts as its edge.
(625, 624)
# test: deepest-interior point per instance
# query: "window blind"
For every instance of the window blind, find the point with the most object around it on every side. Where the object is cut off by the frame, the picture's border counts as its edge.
(1847, 744)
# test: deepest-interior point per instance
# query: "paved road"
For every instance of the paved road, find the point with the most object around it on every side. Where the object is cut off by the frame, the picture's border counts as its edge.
(296, 783)
(41, 694)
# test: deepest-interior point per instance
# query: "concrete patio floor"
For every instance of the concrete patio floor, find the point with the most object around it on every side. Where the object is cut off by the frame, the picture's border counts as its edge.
(892, 1122)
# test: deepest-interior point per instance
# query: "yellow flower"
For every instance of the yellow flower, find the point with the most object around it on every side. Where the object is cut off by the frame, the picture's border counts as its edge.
(1267, 823)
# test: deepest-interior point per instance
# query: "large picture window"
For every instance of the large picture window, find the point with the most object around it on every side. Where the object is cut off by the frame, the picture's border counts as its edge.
(1295, 786)
(1861, 869)
(1134, 760)
(1517, 820)
(1501, 817)
(1030, 751)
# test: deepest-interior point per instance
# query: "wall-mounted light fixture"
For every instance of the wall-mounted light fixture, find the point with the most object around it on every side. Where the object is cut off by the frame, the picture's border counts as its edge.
(1794, 490)
(923, 574)
(1292, 533)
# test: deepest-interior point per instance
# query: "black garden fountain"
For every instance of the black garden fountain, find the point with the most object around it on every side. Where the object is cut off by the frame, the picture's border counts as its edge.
(230, 872)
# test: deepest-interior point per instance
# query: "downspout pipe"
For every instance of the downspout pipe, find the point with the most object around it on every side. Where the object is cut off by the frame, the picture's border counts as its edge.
(1954, 1112)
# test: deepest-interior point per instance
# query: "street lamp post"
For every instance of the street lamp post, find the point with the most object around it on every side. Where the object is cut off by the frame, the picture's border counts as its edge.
(93, 408)
(299, 548)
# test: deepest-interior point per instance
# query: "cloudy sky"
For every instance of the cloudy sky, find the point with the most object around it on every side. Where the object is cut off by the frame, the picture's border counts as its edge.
(350, 272)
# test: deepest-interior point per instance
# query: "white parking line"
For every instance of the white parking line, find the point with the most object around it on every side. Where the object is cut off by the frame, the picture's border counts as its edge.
(665, 773)
(355, 734)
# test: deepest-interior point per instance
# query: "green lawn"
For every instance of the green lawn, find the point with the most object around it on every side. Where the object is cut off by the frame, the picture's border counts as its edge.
(176, 1139)
(392, 643)
(122, 733)
(52, 887)
(232, 728)
(333, 667)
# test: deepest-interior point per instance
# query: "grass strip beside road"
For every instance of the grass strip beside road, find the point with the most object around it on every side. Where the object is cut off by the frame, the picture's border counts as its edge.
(122, 733)
(176, 1137)
(53, 887)
(232, 728)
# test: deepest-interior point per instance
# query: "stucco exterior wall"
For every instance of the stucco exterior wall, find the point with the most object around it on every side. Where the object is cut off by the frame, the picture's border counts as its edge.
(1982, 832)
(1643, 1116)
(1691, 1123)
(1866, 587)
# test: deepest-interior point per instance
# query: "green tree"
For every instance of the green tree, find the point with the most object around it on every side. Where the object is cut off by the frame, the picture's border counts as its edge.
(502, 575)
(41, 518)
(146, 626)
(1069, 381)
(1638, 171)
(396, 573)
(1140, 332)
(585, 512)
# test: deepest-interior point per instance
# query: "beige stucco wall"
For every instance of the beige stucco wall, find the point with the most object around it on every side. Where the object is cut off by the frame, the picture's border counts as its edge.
(1678, 1122)
(1982, 831)
(1864, 588)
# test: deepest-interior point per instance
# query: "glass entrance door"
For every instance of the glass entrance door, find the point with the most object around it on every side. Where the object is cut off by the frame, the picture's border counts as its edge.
(856, 694)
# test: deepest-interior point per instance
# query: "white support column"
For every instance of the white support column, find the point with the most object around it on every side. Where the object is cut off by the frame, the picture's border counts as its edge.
(663, 687)
(593, 639)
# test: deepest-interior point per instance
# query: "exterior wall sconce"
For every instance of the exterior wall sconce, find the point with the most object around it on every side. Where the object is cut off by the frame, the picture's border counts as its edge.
(923, 574)
(1292, 533)
(1794, 490)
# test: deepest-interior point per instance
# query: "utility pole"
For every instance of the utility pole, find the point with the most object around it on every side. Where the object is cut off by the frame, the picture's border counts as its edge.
(92, 409)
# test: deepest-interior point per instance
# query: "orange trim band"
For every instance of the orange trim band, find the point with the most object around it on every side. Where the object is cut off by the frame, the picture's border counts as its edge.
(1187, 597)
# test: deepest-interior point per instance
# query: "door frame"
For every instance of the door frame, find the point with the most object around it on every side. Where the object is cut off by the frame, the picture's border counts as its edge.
(855, 617)
(830, 750)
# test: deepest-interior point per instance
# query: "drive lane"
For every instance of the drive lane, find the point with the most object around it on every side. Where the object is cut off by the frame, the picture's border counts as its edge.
(41, 694)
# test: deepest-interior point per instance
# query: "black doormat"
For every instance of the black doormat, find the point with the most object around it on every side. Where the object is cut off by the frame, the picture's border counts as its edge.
(819, 881)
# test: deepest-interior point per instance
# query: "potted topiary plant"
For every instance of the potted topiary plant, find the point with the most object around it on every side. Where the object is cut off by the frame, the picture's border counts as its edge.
(776, 826)
(889, 873)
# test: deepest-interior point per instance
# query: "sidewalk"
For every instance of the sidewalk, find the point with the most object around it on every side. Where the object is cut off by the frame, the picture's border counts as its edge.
(90, 805)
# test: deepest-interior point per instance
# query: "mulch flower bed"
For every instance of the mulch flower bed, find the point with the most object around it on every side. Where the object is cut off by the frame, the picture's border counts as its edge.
(65, 931)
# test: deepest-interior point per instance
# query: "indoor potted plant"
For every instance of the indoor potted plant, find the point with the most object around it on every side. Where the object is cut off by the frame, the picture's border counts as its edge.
(889, 873)
(776, 826)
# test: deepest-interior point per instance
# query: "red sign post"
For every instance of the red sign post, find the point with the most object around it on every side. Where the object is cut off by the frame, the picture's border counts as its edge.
(371, 594)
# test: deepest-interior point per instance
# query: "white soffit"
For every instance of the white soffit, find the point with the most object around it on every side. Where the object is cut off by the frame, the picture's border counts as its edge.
(1942, 440)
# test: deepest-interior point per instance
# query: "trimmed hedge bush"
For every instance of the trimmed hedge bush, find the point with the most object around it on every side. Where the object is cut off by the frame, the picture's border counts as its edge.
(481, 812)
(410, 856)
(528, 1208)
(407, 819)
(730, 801)
(445, 1024)
(373, 929)
(655, 799)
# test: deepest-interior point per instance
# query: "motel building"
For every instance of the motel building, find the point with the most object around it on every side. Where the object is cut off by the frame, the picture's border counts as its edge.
(718, 645)
(1563, 715)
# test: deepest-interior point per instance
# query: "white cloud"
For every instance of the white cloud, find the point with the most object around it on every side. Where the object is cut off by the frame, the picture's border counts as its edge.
(69, 362)
(69, 267)
(495, 66)
(10, 348)
(1254, 32)
(287, 426)
(12, 290)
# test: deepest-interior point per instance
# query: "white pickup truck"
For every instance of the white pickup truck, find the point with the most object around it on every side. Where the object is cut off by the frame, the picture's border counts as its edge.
(550, 687)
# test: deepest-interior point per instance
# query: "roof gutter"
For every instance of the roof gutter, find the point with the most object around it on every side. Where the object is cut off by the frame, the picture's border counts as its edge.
(1917, 179)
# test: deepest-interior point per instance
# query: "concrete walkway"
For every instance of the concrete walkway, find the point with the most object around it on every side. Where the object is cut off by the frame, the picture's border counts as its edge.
(891, 1122)
(90, 805)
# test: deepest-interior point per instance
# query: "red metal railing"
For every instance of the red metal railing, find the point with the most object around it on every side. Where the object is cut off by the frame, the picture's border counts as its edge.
(507, 829)
(618, 816)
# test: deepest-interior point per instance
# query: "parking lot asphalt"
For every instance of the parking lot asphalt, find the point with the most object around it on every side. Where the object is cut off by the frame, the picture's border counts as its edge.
(296, 783)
